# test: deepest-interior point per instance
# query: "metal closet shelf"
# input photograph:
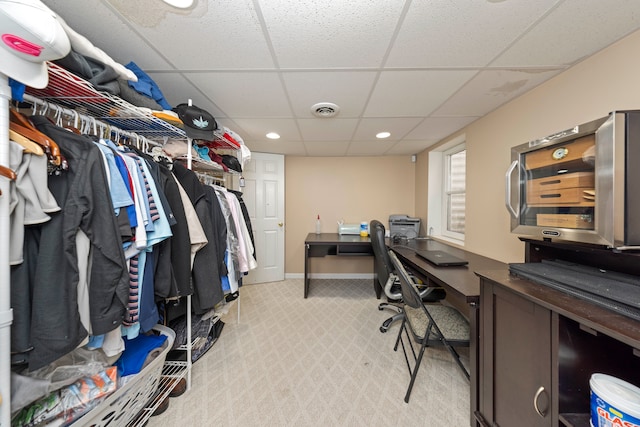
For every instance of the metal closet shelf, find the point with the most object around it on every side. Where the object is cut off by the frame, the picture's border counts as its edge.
(69, 90)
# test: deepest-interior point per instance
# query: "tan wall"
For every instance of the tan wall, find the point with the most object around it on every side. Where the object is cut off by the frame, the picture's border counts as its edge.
(607, 81)
(351, 188)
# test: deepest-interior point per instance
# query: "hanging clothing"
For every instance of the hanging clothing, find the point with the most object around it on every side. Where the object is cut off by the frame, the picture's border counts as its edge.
(219, 231)
(30, 200)
(119, 233)
(52, 270)
(247, 219)
(244, 250)
(198, 238)
(206, 274)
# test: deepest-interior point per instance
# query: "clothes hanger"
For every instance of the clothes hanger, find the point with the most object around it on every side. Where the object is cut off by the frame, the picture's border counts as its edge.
(57, 162)
(28, 145)
(145, 145)
(94, 126)
(84, 125)
(103, 130)
(19, 123)
(49, 147)
(58, 116)
(8, 173)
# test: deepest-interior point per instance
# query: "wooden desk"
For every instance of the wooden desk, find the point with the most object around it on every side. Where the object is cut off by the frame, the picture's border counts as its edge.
(321, 245)
(463, 291)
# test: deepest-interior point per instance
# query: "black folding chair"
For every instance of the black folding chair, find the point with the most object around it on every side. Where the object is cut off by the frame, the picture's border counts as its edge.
(427, 325)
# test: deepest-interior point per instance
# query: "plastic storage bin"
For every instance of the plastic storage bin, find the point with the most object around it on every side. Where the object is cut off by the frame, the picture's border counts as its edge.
(124, 406)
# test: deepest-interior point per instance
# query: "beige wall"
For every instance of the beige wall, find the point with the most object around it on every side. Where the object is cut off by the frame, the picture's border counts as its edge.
(350, 188)
(610, 80)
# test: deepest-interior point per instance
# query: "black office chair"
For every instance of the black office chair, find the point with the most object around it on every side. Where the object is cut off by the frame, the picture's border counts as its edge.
(389, 281)
(429, 324)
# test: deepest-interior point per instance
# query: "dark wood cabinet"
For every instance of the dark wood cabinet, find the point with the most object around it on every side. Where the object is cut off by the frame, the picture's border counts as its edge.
(538, 347)
(515, 358)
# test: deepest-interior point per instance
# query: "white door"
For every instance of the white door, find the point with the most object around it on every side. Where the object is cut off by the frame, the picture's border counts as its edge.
(263, 195)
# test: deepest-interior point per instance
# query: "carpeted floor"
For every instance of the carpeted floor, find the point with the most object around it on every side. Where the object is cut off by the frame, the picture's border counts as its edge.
(320, 361)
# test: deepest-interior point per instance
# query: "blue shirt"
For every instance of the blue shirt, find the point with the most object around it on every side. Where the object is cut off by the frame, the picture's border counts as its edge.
(146, 86)
(119, 193)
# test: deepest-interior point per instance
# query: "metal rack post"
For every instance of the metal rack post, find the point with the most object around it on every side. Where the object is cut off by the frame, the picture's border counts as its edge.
(6, 315)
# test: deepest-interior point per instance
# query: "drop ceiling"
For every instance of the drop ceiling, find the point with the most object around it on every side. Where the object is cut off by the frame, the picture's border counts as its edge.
(419, 69)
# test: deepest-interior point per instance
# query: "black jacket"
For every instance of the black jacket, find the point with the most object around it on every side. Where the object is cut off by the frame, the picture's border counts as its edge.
(82, 193)
(206, 269)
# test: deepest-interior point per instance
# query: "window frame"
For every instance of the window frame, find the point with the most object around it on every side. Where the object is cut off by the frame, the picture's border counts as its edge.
(447, 192)
(437, 192)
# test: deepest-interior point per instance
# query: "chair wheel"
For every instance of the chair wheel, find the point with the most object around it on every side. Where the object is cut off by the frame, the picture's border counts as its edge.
(383, 329)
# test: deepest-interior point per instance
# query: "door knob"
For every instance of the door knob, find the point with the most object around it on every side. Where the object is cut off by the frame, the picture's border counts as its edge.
(280, 224)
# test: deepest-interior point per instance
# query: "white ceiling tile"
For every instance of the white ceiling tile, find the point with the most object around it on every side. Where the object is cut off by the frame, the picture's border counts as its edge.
(230, 124)
(398, 127)
(327, 129)
(219, 34)
(490, 89)
(410, 147)
(348, 89)
(106, 30)
(289, 148)
(177, 90)
(437, 128)
(327, 148)
(329, 33)
(256, 129)
(370, 148)
(419, 69)
(461, 33)
(241, 95)
(413, 93)
(577, 28)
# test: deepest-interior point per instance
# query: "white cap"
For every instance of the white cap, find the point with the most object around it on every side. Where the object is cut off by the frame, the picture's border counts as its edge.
(234, 135)
(30, 35)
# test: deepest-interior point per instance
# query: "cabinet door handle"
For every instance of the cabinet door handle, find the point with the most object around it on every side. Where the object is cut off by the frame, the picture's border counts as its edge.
(535, 401)
(507, 196)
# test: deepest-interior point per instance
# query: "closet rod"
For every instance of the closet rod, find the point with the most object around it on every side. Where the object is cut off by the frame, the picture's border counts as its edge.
(140, 141)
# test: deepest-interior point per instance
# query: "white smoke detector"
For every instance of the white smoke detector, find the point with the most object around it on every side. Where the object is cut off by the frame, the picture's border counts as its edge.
(325, 110)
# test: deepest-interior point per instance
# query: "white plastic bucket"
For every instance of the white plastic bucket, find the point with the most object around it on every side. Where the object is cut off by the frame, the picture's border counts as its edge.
(614, 402)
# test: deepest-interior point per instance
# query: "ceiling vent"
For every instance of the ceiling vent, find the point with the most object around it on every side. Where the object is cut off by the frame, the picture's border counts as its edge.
(325, 110)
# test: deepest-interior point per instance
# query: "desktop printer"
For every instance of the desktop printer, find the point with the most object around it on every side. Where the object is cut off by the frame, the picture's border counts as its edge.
(403, 226)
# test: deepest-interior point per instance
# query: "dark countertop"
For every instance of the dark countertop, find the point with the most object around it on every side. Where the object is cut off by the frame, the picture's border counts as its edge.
(601, 319)
(461, 279)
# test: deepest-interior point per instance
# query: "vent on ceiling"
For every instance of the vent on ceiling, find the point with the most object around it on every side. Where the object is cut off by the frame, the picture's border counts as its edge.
(325, 110)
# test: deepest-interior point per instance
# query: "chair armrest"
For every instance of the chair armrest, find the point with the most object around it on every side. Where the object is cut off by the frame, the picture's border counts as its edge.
(431, 292)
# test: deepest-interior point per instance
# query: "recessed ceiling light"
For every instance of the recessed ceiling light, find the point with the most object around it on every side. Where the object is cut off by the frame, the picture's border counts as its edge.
(180, 4)
(383, 135)
(273, 135)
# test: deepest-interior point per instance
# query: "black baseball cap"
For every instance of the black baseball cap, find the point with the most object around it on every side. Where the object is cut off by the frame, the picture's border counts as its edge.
(198, 123)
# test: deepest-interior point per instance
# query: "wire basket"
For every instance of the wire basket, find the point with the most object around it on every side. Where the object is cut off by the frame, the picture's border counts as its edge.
(125, 404)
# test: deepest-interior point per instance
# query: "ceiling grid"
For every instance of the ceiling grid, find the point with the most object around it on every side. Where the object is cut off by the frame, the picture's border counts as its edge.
(420, 70)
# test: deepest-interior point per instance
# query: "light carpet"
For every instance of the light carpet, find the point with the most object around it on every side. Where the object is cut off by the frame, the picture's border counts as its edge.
(320, 361)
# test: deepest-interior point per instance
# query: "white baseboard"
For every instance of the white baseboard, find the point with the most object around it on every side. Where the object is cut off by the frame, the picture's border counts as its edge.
(330, 276)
